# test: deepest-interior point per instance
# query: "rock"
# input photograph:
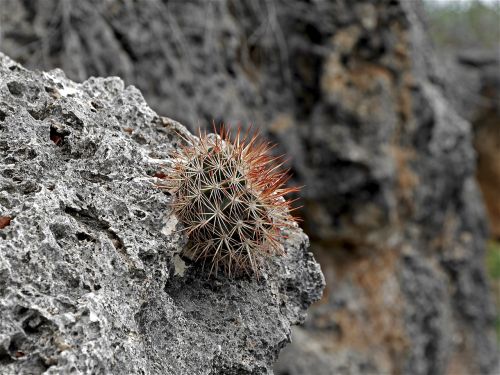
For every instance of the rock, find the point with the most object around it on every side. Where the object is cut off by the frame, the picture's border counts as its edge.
(473, 87)
(91, 281)
(354, 93)
(486, 122)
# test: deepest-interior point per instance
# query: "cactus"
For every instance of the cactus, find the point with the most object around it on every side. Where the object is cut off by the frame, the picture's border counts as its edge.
(229, 195)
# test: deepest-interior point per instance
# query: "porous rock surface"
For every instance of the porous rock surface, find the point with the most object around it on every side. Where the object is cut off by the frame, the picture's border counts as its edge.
(91, 281)
(353, 92)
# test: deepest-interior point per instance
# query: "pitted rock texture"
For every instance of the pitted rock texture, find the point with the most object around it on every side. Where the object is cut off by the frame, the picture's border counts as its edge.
(91, 281)
(351, 90)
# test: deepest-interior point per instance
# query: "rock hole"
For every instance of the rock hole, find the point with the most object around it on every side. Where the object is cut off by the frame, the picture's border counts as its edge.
(53, 92)
(139, 214)
(21, 310)
(82, 236)
(96, 105)
(57, 134)
(115, 239)
(5, 357)
(16, 342)
(33, 323)
(15, 88)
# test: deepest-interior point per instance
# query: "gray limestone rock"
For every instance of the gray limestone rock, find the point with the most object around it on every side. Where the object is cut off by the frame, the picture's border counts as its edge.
(91, 281)
(354, 93)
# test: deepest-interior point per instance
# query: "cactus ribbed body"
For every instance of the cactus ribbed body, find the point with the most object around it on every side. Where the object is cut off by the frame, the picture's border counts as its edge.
(229, 196)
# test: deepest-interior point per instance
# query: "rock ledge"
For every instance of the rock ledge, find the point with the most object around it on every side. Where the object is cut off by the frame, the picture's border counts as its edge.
(90, 277)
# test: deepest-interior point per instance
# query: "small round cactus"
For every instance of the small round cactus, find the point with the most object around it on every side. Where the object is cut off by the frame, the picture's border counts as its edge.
(228, 192)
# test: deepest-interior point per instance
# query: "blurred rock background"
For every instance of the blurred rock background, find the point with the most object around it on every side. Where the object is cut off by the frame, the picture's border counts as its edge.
(389, 111)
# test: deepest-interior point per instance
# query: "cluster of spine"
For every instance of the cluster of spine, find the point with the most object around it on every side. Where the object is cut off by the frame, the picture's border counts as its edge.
(228, 192)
